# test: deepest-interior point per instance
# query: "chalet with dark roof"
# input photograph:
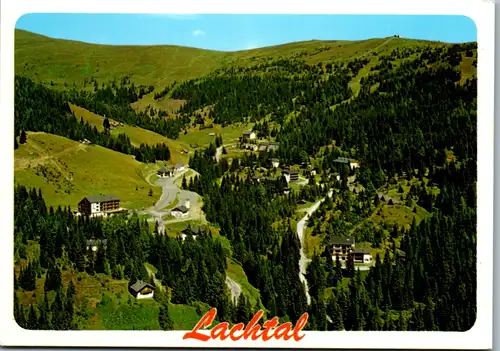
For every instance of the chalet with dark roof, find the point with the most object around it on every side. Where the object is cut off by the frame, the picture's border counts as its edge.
(341, 247)
(165, 172)
(141, 290)
(180, 211)
(361, 256)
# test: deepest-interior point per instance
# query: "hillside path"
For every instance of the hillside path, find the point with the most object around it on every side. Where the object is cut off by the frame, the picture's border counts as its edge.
(235, 289)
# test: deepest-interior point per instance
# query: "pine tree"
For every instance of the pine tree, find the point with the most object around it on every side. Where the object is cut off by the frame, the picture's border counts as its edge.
(53, 279)
(106, 123)
(33, 318)
(335, 314)
(44, 322)
(23, 138)
(164, 318)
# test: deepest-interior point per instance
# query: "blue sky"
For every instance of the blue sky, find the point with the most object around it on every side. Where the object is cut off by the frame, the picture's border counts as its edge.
(239, 32)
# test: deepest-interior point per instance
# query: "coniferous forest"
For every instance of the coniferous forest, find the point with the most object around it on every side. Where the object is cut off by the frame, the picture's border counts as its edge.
(409, 121)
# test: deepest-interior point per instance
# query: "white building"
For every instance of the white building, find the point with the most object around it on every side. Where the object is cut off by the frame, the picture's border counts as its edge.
(361, 256)
(164, 172)
(275, 162)
(180, 167)
(353, 165)
(99, 205)
(249, 135)
(180, 212)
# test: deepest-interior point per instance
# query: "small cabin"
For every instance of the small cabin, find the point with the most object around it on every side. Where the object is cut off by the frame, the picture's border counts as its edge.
(361, 256)
(165, 172)
(180, 212)
(141, 290)
(275, 162)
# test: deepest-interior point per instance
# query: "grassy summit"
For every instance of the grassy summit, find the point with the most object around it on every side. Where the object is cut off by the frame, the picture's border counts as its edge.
(65, 62)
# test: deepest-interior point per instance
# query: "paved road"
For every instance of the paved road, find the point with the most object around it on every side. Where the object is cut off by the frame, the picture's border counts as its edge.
(171, 192)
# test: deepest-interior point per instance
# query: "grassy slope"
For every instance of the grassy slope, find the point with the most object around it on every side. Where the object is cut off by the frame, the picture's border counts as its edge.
(67, 62)
(137, 135)
(66, 171)
(64, 61)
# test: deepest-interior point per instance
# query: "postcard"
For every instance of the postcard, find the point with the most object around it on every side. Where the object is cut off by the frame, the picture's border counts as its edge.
(240, 175)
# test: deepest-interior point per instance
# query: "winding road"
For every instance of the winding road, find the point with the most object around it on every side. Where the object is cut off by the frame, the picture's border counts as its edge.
(171, 192)
(304, 260)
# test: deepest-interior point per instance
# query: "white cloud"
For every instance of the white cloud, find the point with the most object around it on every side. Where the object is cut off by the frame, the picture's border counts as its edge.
(198, 33)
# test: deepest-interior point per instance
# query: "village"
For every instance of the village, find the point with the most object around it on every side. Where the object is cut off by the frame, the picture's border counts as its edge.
(104, 205)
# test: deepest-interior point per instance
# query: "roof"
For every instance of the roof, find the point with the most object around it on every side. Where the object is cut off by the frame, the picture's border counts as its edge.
(140, 285)
(275, 160)
(165, 169)
(179, 165)
(338, 240)
(248, 132)
(101, 198)
(342, 159)
(182, 209)
(363, 251)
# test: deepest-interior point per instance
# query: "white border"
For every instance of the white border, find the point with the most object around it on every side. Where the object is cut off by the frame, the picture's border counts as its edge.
(479, 337)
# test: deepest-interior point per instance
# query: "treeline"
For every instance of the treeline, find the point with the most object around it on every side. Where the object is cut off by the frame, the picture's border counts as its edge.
(165, 91)
(114, 102)
(194, 269)
(40, 109)
(396, 128)
(235, 98)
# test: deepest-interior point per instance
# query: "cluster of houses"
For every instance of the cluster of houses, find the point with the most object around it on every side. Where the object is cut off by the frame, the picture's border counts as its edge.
(253, 146)
(342, 248)
(164, 172)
